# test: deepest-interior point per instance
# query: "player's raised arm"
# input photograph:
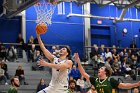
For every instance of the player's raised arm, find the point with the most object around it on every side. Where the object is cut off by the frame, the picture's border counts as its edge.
(128, 85)
(47, 53)
(80, 67)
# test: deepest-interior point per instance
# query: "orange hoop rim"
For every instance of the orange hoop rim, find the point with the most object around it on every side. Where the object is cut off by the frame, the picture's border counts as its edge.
(46, 3)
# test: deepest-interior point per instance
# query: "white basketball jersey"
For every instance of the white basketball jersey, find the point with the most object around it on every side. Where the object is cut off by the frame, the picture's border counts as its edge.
(59, 80)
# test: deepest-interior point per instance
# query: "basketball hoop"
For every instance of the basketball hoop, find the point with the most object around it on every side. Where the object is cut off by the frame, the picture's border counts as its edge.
(44, 11)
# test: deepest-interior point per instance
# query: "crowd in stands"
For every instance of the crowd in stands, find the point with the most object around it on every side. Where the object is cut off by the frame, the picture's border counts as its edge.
(122, 61)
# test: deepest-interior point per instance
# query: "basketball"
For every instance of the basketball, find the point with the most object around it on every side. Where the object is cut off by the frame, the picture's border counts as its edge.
(41, 28)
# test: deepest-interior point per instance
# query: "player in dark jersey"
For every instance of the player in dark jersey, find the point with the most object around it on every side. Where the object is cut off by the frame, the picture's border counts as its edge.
(104, 83)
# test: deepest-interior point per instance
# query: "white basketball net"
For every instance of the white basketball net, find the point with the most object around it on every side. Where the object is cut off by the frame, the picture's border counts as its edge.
(44, 12)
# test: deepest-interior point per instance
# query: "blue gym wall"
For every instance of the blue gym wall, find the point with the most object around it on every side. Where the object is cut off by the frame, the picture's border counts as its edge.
(9, 29)
(114, 30)
(69, 31)
(63, 31)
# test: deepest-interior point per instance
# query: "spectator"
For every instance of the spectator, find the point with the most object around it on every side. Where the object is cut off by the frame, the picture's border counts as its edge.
(30, 41)
(4, 67)
(19, 47)
(133, 67)
(125, 53)
(80, 82)
(93, 55)
(75, 73)
(41, 85)
(2, 76)
(73, 88)
(116, 66)
(133, 45)
(3, 52)
(100, 60)
(102, 52)
(108, 53)
(32, 53)
(37, 58)
(20, 74)
(15, 84)
(11, 53)
(107, 62)
(114, 53)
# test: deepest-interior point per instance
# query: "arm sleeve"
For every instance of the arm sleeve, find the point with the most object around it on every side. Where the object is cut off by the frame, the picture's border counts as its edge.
(114, 83)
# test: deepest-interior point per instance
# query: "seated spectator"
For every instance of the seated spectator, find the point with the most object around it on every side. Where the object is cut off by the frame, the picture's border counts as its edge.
(29, 47)
(15, 84)
(20, 74)
(102, 51)
(133, 45)
(3, 52)
(108, 53)
(114, 53)
(32, 53)
(20, 40)
(107, 62)
(75, 73)
(80, 82)
(73, 87)
(93, 55)
(133, 67)
(100, 61)
(41, 85)
(11, 53)
(4, 67)
(35, 66)
(2, 76)
(116, 66)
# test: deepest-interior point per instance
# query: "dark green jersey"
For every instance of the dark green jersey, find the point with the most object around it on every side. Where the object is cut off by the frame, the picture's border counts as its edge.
(12, 90)
(104, 86)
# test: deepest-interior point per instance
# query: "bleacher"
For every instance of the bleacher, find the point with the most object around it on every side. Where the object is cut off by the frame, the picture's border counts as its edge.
(31, 77)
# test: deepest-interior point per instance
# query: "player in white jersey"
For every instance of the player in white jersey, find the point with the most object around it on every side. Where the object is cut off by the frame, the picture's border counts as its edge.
(60, 67)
